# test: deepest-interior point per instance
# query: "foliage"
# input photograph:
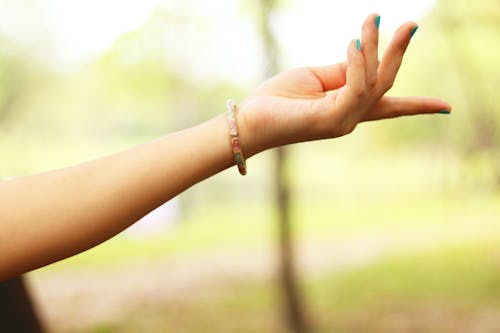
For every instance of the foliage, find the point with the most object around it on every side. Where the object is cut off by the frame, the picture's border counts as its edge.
(454, 56)
(14, 78)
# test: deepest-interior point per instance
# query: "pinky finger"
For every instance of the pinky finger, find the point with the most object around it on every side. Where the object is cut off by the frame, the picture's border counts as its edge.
(392, 107)
(355, 72)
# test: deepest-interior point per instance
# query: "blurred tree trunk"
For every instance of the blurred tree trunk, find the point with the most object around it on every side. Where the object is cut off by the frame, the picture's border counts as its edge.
(17, 313)
(294, 305)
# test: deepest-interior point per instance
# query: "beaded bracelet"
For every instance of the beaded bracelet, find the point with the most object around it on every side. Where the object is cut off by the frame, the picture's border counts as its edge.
(234, 136)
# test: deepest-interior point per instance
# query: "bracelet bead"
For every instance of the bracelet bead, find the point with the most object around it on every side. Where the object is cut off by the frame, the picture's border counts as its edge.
(234, 137)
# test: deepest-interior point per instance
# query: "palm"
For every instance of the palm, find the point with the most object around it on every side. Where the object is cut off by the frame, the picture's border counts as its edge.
(299, 83)
(285, 99)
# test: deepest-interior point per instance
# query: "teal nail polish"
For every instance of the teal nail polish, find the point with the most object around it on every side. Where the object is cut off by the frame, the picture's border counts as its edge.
(444, 112)
(358, 44)
(412, 32)
(377, 21)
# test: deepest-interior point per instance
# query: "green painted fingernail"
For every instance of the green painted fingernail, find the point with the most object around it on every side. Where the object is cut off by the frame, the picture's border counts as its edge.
(358, 44)
(377, 21)
(444, 112)
(412, 32)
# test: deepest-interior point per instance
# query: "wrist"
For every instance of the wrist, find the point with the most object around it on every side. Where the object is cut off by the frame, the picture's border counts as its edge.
(272, 121)
(252, 141)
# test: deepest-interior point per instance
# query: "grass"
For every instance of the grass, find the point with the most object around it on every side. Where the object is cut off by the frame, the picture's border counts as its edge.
(226, 229)
(468, 273)
(449, 290)
(450, 287)
(441, 291)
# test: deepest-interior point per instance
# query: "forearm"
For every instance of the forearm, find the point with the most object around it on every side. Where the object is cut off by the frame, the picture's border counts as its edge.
(51, 216)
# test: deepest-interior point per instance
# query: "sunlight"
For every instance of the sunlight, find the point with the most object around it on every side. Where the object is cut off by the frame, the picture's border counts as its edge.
(310, 32)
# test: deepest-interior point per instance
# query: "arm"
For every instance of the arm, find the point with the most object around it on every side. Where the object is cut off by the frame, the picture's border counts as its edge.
(50, 216)
(54, 215)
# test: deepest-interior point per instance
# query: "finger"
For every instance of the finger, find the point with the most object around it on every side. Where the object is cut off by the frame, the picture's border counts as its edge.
(332, 76)
(355, 72)
(393, 56)
(369, 39)
(392, 107)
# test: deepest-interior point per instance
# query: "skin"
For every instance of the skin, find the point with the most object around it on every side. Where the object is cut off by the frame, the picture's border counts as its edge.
(54, 215)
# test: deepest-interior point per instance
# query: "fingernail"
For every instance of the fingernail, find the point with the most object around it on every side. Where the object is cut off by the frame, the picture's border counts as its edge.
(377, 21)
(444, 112)
(358, 44)
(412, 32)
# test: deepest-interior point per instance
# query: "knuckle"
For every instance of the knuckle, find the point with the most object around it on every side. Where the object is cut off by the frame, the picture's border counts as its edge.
(394, 114)
(371, 48)
(295, 71)
(349, 129)
(346, 127)
(358, 90)
(387, 85)
(371, 82)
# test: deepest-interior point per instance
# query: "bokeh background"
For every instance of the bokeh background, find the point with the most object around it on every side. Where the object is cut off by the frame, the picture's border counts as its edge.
(394, 228)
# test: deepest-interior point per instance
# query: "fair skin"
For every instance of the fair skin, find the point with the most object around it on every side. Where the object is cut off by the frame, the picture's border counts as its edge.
(54, 215)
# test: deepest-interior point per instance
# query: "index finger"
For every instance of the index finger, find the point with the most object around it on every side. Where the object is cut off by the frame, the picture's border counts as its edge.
(391, 107)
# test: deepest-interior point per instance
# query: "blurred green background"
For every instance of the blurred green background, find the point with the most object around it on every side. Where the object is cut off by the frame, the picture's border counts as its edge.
(396, 225)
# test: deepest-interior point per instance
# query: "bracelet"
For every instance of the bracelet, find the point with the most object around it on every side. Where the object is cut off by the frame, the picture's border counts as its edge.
(234, 136)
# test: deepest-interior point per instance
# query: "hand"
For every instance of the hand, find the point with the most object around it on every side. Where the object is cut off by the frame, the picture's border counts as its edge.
(295, 105)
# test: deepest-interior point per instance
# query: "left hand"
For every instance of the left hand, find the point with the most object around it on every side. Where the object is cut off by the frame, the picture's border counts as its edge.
(295, 105)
